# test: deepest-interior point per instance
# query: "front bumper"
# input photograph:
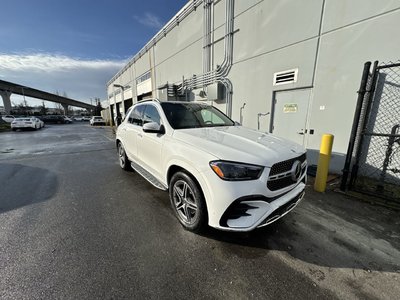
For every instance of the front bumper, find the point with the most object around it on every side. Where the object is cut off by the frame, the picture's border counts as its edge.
(246, 205)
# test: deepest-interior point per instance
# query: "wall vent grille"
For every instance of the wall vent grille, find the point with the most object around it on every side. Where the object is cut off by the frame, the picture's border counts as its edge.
(285, 77)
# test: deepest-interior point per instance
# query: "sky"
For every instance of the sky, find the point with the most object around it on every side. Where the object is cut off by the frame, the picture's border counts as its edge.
(75, 46)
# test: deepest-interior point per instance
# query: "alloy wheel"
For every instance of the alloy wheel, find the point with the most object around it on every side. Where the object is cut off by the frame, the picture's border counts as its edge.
(185, 202)
(121, 155)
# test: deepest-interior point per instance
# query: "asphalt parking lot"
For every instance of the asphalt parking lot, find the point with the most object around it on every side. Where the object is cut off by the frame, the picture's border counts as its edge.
(75, 226)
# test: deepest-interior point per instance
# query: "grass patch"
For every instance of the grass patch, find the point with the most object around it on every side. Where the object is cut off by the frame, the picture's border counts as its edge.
(5, 127)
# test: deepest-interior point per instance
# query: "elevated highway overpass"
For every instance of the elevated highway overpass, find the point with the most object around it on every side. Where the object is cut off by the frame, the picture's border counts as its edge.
(8, 88)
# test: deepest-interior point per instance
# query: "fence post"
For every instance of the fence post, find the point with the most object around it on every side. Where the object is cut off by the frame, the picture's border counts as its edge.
(356, 120)
(371, 93)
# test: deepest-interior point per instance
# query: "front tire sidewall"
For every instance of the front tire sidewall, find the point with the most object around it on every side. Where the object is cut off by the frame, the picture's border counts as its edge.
(201, 218)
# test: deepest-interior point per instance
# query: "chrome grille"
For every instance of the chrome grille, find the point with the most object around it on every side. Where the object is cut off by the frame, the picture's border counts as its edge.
(286, 165)
(280, 175)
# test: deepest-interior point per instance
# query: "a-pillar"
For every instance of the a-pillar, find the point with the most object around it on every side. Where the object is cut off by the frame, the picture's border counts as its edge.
(6, 100)
(65, 106)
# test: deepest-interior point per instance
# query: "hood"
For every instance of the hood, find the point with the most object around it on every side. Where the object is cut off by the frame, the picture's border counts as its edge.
(240, 144)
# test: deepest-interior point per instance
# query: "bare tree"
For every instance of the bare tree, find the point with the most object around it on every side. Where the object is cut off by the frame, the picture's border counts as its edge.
(43, 109)
(59, 109)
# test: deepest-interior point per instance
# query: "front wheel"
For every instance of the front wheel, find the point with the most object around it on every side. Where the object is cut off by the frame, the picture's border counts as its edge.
(123, 159)
(188, 203)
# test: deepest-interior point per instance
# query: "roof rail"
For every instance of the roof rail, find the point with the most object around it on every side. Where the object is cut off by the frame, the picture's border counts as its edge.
(148, 100)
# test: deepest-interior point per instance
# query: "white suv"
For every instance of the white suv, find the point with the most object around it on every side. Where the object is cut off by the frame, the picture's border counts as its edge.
(97, 120)
(217, 172)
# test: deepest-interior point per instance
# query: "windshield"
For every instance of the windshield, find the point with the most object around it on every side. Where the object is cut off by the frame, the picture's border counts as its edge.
(194, 115)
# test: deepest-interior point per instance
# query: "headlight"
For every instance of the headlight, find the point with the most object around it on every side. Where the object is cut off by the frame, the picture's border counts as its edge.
(236, 171)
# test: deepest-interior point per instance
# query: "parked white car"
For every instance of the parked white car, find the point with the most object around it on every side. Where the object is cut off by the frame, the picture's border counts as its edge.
(78, 118)
(67, 120)
(97, 120)
(26, 123)
(40, 122)
(8, 118)
(217, 172)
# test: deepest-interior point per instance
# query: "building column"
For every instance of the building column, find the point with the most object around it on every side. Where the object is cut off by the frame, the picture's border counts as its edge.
(65, 106)
(111, 108)
(6, 100)
(122, 103)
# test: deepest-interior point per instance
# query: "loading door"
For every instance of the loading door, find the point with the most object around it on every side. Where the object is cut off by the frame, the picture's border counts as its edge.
(290, 111)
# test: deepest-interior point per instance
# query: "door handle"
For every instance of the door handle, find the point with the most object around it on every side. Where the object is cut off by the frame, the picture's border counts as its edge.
(302, 132)
(140, 135)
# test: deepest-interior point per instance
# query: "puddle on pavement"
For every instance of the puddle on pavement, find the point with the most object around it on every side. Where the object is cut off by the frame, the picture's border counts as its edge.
(10, 150)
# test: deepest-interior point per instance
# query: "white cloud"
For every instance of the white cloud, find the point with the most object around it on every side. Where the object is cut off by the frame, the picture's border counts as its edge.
(149, 20)
(81, 79)
(50, 63)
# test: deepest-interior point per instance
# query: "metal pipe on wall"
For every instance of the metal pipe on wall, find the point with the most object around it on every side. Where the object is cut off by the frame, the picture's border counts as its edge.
(219, 75)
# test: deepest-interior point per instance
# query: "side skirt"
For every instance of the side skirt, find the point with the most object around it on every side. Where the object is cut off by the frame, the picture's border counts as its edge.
(148, 176)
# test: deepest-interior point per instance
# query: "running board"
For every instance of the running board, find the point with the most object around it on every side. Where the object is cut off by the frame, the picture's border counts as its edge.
(148, 176)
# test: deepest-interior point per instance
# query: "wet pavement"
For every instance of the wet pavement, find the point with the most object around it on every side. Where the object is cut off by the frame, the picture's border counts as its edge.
(74, 225)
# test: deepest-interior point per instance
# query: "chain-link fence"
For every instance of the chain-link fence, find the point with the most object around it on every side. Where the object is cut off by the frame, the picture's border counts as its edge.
(376, 167)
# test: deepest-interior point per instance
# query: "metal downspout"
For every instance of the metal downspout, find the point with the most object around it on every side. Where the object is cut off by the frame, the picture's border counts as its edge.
(219, 75)
(223, 71)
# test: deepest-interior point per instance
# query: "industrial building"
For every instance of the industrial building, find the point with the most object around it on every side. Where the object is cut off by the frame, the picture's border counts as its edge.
(292, 68)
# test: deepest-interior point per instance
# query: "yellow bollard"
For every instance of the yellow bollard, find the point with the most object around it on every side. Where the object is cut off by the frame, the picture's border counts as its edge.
(323, 163)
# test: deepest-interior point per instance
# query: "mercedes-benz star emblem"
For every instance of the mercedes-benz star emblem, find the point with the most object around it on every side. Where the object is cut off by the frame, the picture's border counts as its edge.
(296, 170)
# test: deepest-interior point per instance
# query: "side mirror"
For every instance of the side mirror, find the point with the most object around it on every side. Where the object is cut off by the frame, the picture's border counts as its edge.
(153, 127)
(237, 123)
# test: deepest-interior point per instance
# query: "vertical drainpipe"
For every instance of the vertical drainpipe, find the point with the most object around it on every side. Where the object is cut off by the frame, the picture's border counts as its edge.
(228, 50)
(220, 73)
(206, 38)
(315, 70)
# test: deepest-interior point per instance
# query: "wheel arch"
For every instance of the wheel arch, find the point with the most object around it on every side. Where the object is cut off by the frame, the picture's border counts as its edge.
(174, 168)
(117, 141)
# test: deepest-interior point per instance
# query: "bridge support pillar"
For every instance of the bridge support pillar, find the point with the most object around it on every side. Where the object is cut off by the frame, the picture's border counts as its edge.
(65, 106)
(6, 100)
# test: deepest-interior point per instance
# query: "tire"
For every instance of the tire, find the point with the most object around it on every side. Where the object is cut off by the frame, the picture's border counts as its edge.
(124, 162)
(187, 202)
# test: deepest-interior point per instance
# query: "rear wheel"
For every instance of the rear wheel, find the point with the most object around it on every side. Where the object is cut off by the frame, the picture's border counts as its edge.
(123, 159)
(188, 203)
